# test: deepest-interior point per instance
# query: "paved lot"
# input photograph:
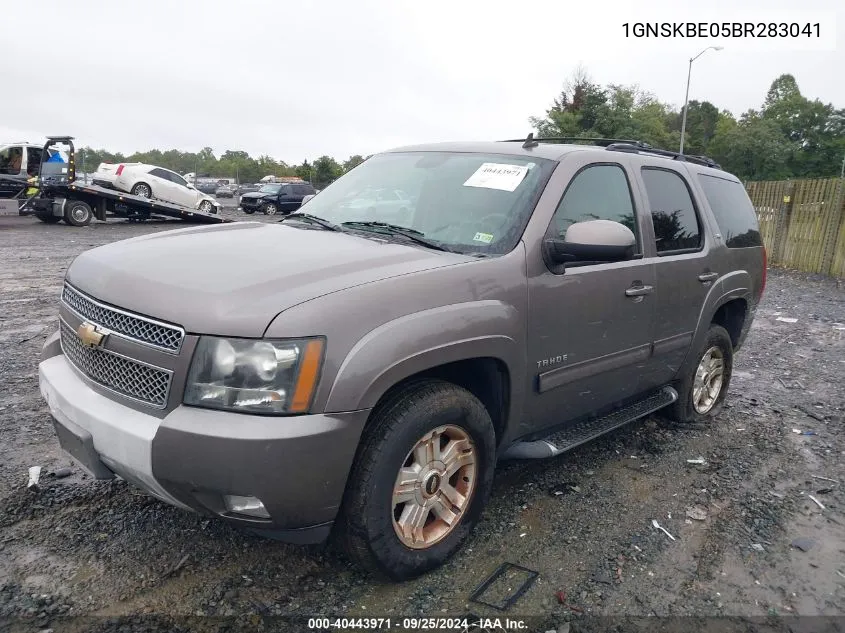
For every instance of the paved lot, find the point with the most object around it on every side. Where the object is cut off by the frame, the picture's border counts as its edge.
(583, 521)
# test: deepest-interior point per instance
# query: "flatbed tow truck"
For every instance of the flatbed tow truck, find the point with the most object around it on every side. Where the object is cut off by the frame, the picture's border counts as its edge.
(59, 196)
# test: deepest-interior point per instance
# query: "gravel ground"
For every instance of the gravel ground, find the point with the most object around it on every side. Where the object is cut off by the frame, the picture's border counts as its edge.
(117, 559)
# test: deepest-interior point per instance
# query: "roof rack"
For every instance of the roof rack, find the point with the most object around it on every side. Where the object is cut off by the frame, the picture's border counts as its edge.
(617, 145)
(529, 141)
(687, 158)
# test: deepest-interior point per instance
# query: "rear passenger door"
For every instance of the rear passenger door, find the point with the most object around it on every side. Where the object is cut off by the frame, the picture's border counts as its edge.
(683, 267)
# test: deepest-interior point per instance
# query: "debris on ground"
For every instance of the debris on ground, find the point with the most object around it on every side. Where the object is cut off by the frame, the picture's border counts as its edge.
(816, 501)
(659, 527)
(803, 543)
(61, 473)
(697, 460)
(824, 478)
(697, 513)
(172, 570)
(34, 476)
(786, 319)
(757, 547)
(504, 587)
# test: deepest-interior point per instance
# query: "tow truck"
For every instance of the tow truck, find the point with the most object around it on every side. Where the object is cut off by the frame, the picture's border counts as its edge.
(54, 194)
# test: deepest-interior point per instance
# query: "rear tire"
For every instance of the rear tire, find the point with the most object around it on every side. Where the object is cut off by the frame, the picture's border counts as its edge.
(455, 485)
(702, 391)
(78, 213)
(142, 189)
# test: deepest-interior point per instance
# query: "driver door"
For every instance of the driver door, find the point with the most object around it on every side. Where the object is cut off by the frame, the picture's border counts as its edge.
(590, 324)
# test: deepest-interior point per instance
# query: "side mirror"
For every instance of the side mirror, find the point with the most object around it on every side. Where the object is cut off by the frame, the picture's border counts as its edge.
(593, 241)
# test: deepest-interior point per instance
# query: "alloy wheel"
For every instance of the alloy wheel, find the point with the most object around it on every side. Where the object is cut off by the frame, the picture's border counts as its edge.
(709, 378)
(434, 486)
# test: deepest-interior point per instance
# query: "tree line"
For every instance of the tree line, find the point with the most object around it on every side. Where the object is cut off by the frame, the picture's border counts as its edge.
(230, 164)
(788, 136)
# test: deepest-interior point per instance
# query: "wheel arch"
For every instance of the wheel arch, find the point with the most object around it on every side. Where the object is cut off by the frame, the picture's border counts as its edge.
(729, 297)
(466, 344)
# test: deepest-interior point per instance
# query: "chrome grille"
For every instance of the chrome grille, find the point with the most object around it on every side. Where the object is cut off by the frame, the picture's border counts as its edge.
(127, 377)
(137, 328)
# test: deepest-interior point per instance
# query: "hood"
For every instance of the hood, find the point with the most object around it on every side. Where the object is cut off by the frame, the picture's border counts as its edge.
(254, 195)
(233, 279)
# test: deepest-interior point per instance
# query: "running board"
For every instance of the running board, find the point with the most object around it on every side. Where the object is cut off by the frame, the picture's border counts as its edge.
(583, 432)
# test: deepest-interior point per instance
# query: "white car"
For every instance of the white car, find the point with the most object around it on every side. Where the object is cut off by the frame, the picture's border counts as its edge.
(149, 181)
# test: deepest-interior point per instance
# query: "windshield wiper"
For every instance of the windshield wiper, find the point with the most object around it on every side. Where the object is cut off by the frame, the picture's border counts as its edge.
(313, 219)
(392, 229)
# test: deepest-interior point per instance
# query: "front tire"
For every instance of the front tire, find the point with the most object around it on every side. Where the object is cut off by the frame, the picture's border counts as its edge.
(702, 391)
(78, 213)
(270, 209)
(248, 211)
(206, 206)
(421, 478)
(142, 189)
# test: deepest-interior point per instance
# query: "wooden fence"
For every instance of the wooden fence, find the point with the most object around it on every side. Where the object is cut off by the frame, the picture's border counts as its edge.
(803, 223)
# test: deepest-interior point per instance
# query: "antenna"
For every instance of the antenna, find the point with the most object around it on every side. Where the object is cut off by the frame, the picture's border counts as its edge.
(529, 141)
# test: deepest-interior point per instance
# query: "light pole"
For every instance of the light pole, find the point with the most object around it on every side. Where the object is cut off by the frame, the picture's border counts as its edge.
(686, 98)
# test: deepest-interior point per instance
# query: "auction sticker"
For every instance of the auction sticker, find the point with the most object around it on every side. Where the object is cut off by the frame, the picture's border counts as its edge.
(483, 237)
(497, 176)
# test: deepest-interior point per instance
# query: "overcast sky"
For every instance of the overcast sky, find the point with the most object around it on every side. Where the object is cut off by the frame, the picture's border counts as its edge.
(341, 77)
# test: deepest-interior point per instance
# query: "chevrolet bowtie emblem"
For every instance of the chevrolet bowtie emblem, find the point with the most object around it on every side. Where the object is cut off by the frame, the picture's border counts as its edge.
(90, 335)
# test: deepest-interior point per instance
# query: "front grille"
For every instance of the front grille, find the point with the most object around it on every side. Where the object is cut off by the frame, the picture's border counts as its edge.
(127, 377)
(137, 328)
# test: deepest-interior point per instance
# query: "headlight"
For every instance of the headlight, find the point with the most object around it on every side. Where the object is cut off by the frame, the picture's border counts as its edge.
(254, 376)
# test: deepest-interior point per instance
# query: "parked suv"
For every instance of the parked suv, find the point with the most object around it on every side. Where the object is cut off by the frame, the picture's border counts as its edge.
(365, 379)
(277, 197)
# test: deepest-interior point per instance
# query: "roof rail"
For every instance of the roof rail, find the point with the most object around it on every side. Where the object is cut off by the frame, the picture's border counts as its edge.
(530, 141)
(688, 158)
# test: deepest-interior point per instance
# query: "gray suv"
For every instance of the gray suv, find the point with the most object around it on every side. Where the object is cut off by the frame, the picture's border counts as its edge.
(365, 379)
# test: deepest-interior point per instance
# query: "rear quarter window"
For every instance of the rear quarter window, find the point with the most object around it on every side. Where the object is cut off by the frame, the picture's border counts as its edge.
(733, 211)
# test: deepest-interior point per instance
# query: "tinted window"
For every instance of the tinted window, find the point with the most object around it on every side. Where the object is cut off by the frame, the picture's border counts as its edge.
(676, 225)
(734, 212)
(178, 179)
(159, 173)
(599, 192)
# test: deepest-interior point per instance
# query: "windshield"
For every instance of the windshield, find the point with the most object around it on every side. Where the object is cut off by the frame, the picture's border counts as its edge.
(270, 188)
(466, 201)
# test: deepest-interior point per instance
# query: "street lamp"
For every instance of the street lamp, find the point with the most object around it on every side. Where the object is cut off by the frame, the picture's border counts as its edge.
(686, 98)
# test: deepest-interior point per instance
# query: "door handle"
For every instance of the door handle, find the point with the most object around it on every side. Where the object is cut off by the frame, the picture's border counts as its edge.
(639, 291)
(705, 277)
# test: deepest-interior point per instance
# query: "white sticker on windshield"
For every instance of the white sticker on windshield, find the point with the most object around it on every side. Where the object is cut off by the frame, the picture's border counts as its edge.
(497, 176)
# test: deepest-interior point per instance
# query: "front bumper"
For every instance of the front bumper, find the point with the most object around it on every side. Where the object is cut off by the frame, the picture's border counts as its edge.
(297, 466)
